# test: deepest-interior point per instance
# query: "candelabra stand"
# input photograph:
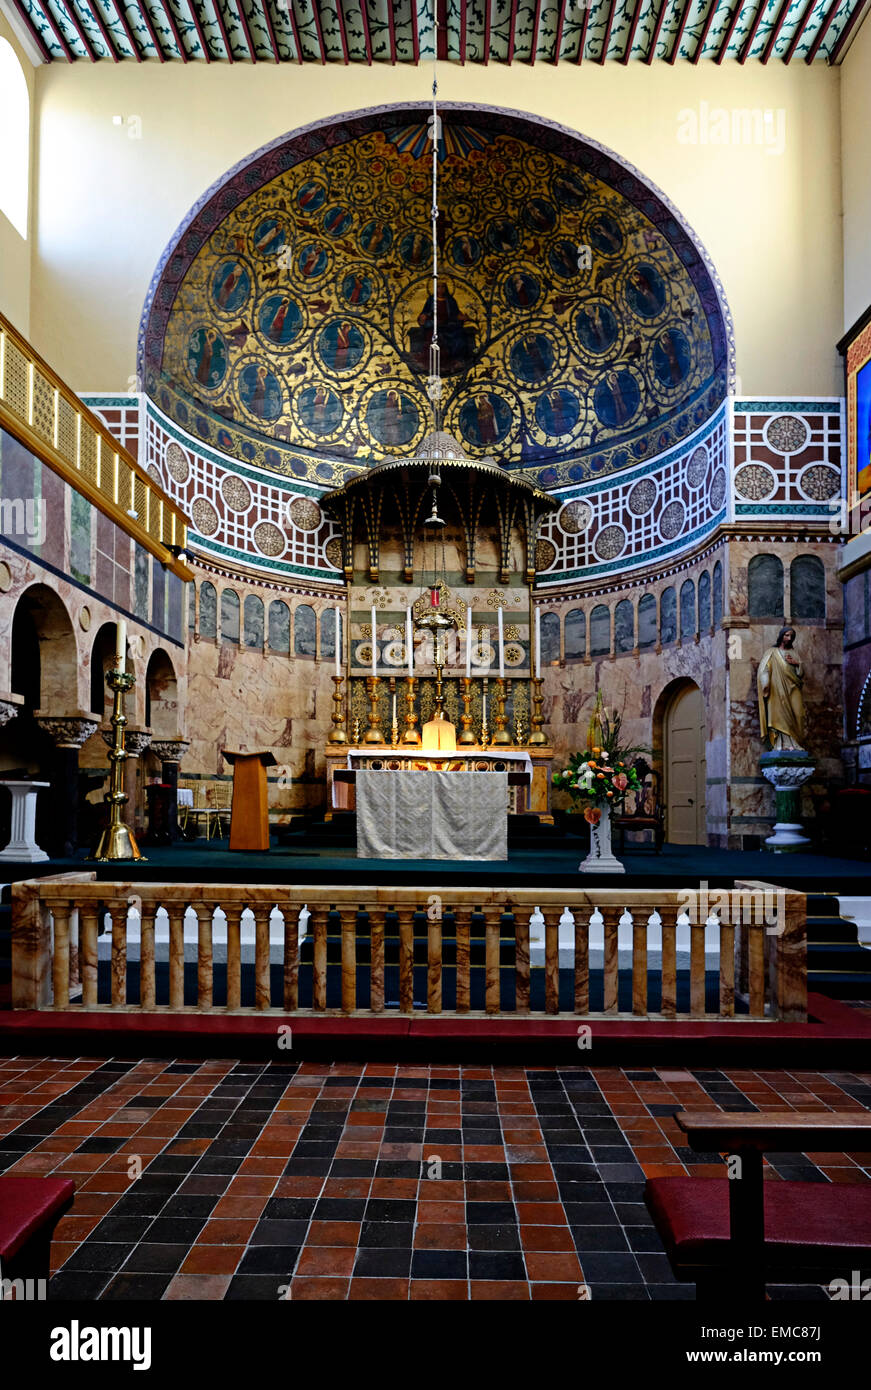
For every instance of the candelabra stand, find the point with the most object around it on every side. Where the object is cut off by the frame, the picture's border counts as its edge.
(485, 732)
(117, 840)
(537, 737)
(338, 733)
(501, 734)
(373, 733)
(411, 736)
(465, 718)
(394, 723)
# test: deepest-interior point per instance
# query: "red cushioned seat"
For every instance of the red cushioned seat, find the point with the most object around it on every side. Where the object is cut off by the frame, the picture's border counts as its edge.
(27, 1207)
(807, 1225)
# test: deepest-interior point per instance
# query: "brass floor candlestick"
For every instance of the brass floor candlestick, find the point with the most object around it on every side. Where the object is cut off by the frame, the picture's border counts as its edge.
(466, 718)
(537, 737)
(501, 734)
(411, 736)
(485, 732)
(117, 840)
(373, 733)
(338, 733)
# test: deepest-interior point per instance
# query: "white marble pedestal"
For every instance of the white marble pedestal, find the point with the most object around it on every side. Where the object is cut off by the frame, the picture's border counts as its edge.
(601, 859)
(22, 845)
(787, 770)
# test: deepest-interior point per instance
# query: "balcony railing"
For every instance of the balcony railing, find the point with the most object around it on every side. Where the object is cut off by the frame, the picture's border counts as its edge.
(50, 420)
(372, 950)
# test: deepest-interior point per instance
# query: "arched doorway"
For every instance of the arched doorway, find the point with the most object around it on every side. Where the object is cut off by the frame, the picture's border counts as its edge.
(684, 765)
(161, 697)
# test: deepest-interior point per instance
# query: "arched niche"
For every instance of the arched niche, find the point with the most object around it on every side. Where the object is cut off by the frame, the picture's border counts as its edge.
(161, 696)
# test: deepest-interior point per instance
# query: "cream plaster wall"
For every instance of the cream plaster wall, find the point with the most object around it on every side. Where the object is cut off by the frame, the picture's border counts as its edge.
(108, 204)
(856, 126)
(14, 249)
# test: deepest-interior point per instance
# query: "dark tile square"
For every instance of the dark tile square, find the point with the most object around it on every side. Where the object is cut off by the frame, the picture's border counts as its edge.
(492, 1237)
(175, 1230)
(189, 1206)
(382, 1264)
(609, 1267)
(338, 1208)
(279, 1260)
(599, 1238)
(382, 1209)
(496, 1264)
(439, 1264)
(387, 1235)
(133, 1287)
(292, 1209)
(94, 1256)
(156, 1259)
(126, 1229)
(102, 1144)
(278, 1232)
(77, 1287)
(251, 1288)
(487, 1213)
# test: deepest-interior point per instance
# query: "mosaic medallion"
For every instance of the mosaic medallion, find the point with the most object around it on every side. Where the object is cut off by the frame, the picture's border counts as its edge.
(820, 482)
(268, 539)
(545, 555)
(154, 475)
(718, 489)
(235, 493)
(333, 552)
(755, 482)
(610, 543)
(305, 514)
(514, 656)
(575, 517)
(496, 598)
(787, 434)
(204, 517)
(697, 467)
(642, 497)
(177, 463)
(512, 633)
(671, 522)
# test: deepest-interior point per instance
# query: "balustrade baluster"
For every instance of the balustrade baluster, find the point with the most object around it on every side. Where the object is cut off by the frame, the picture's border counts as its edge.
(727, 969)
(90, 929)
(176, 956)
(75, 950)
(147, 986)
(434, 964)
(697, 968)
(119, 953)
(376, 970)
(756, 967)
(406, 960)
(319, 961)
(234, 956)
(669, 959)
(262, 982)
(611, 980)
(521, 962)
(463, 931)
(291, 958)
(491, 961)
(551, 961)
(205, 977)
(60, 966)
(582, 963)
(639, 960)
(348, 918)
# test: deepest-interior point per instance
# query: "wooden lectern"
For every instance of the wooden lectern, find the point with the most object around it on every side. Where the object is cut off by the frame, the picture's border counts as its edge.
(249, 821)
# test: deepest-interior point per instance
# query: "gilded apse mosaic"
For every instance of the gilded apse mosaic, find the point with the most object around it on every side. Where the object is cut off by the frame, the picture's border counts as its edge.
(580, 329)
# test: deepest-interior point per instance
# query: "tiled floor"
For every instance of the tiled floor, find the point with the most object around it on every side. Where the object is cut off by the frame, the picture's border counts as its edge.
(246, 1180)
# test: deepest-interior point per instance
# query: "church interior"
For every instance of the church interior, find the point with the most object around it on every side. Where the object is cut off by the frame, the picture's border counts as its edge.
(435, 654)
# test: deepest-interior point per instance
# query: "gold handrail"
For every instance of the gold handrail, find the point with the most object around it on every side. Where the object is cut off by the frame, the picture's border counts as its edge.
(47, 417)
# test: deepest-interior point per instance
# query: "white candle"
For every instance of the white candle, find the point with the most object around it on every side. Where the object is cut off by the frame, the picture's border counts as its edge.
(501, 647)
(538, 642)
(121, 642)
(468, 639)
(374, 647)
(338, 642)
(409, 642)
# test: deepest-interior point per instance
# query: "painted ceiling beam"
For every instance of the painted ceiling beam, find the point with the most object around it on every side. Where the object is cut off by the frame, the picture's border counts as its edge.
(512, 30)
(391, 30)
(121, 12)
(583, 43)
(486, 31)
(775, 32)
(799, 30)
(322, 47)
(822, 31)
(751, 37)
(225, 39)
(273, 41)
(700, 46)
(367, 37)
(442, 30)
(679, 36)
(58, 33)
(201, 33)
(651, 51)
(535, 23)
(846, 32)
(627, 52)
(94, 9)
(607, 39)
(32, 30)
(167, 8)
(240, 9)
(727, 38)
(343, 33)
(463, 31)
(297, 42)
(558, 41)
(143, 9)
(415, 33)
(70, 8)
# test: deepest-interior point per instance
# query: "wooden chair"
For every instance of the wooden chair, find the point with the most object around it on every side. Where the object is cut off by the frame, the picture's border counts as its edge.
(645, 811)
(204, 810)
(729, 1236)
(220, 798)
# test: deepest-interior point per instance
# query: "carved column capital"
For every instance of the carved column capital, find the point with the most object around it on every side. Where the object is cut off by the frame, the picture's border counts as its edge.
(67, 730)
(170, 750)
(136, 741)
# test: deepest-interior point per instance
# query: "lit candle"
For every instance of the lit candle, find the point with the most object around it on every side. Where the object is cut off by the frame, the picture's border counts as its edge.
(374, 646)
(409, 642)
(121, 642)
(338, 642)
(501, 647)
(468, 639)
(538, 642)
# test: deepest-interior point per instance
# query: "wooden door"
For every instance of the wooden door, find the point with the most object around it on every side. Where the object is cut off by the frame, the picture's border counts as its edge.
(685, 769)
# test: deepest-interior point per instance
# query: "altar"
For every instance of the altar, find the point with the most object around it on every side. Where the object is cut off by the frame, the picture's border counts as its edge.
(529, 795)
(432, 815)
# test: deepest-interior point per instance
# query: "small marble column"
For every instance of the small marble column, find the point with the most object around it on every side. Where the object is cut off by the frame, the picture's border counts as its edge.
(171, 751)
(69, 732)
(787, 769)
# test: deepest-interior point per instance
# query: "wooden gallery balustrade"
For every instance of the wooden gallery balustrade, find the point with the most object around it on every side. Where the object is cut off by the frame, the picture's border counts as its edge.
(370, 950)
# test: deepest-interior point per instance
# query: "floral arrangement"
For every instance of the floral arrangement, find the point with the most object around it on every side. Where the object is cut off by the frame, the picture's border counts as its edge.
(603, 772)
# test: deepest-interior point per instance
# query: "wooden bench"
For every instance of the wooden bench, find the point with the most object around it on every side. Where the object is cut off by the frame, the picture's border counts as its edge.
(727, 1235)
(30, 1209)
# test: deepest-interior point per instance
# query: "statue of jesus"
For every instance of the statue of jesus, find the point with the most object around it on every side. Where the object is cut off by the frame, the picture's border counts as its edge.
(781, 706)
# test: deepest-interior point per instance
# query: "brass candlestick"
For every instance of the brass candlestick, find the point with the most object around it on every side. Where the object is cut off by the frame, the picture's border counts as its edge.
(338, 733)
(501, 734)
(411, 735)
(485, 732)
(394, 723)
(373, 733)
(117, 840)
(466, 718)
(537, 737)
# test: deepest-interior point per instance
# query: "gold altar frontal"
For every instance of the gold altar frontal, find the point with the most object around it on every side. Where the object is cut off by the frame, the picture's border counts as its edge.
(532, 802)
